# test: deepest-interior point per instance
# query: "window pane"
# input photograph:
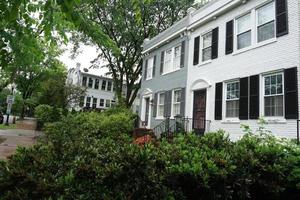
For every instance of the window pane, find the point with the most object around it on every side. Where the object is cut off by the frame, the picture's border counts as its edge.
(232, 109)
(244, 40)
(244, 23)
(274, 106)
(150, 68)
(266, 32)
(177, 96)
(233, 90)
(266, 14)
(206, 54)
(207, 39)
(176, 109)
(161, 98)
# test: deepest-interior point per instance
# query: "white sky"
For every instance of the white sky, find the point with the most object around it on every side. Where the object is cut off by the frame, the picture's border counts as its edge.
(86, 55)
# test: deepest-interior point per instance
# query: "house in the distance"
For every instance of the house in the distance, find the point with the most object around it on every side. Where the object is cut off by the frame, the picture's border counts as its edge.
(243, 62)
(99, 90)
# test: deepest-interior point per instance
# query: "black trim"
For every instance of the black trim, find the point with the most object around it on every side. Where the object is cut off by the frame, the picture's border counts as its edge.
(154, 66)
(254, 97)
(244, 98)
(215, 43)
(162, 59)
(229, 37)
(281, 18)
(196, 50)
(218, 101)
(291, 93)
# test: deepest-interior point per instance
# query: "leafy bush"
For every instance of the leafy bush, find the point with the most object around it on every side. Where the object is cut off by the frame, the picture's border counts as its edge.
(91, 156)
(46, 114)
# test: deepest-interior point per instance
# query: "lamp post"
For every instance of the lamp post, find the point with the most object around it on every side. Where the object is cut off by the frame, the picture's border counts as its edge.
(9, 101)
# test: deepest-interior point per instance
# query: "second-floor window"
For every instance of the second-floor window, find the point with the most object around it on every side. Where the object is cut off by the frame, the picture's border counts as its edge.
(84, 80)
(90, 83)
(244, 31)
(232, 99)
(176, 102)
(103, 86)
(96, 84)
(161, 104)
(206, 46)
(109, 85)
(172, 58)
(265, 22)
(273, 95)
(149, 70)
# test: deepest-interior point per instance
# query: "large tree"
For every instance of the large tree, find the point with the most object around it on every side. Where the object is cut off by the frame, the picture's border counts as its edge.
(118, 28)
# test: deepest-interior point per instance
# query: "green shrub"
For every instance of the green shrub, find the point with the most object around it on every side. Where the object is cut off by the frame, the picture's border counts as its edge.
(91, 156)
(47, 114)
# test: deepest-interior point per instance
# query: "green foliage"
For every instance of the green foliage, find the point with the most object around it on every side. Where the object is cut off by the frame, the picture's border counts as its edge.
(47, 114)
(91, 156)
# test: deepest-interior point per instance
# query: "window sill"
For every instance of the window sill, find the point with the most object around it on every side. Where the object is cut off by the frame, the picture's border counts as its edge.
(274, 120)
(163, 74)
(148, 79)
(257, 45)
(204, 63)
(231, 121)
(160, 118)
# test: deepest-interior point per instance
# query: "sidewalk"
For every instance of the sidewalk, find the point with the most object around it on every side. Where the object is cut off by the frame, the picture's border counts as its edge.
(14, 138)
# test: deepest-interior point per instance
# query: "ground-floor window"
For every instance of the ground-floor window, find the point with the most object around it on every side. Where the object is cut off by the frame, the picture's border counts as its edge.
(88, 102)
(232, 99)
(273, 95)
(101, 104)
(176, 102)
(107, 103)
(94, 103)
(161, 104)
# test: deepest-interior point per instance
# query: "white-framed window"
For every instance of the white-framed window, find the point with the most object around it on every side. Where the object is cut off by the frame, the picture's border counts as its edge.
(161, 104)
(265, 22)
(103, 86)
(109, 85)
(107, 103)
(243, 31)
(177, 57)
(149, 69)
(88, 102)
(172, 58)
(273, 95)
(176, 100)
(232, 99)
(206, 46)
(94, 105)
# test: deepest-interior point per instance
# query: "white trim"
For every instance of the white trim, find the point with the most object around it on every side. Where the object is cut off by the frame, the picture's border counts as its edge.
(172, 101)
(143, 109)
(224, 100)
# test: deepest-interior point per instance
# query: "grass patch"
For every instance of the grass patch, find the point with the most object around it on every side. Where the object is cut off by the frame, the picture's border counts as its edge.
(11, 126)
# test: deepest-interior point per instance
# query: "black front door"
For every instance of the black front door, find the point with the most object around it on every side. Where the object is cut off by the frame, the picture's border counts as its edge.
(147, 111)
(199, 112)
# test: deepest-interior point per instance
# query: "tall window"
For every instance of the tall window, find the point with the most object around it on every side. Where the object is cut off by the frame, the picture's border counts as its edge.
(273, 95)
(265, 22)
(244, 31)
(103, 86)
(206, 47)
(161, 104)
(88, 102)
(177, 57)
(176, 102)
(81, 102)
(101, 104)
(90, 82)
(94, 103)
(150, 68)
(109, 84)
(232, 99)
(168, 61)
(84, 80)
(107, 103)
(96, 84)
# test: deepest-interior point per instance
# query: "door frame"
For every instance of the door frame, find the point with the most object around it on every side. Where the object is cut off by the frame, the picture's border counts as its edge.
(143, 116)
(205, 115)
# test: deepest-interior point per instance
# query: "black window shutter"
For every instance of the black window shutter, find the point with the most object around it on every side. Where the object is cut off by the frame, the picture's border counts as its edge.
(244, 96)
(162, 60)
(281, 18)
(229, 37)
(218, 101)
(215, 43)
(182, 103)
(291, 93)
(196, 50)
(154, 66)
(154, 105)
(182, 54)
(167, 103)
(145, 71)
(254, 97)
